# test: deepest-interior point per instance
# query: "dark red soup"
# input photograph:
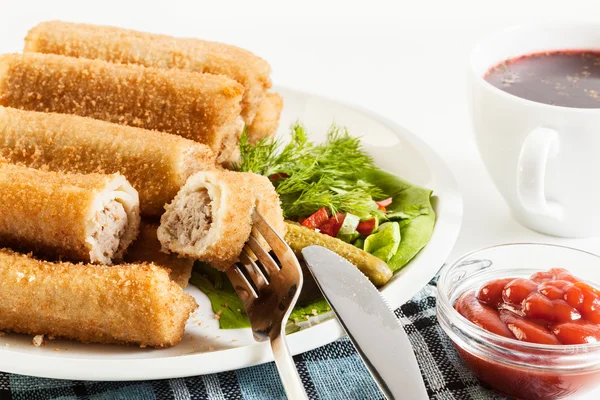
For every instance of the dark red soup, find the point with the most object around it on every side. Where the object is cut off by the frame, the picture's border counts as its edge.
(562, 78)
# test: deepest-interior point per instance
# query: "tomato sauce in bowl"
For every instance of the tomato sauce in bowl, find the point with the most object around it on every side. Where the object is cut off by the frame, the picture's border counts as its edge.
(550, 307)
(530, 333)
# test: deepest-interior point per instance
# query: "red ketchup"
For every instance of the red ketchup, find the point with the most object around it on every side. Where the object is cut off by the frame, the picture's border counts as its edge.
(550, 308)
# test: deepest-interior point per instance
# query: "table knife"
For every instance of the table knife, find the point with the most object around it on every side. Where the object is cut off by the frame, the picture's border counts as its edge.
(370, 324)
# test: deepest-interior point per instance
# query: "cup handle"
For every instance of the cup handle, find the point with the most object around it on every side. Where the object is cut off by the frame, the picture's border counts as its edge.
(541, 144)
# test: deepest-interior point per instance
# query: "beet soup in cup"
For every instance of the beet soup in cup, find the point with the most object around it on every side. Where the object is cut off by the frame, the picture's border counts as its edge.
(535, 105)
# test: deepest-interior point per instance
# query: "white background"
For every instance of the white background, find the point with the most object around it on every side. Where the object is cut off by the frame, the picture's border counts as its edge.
(404, 59)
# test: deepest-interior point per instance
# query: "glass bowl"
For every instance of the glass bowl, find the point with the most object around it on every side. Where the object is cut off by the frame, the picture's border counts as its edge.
(519, 369)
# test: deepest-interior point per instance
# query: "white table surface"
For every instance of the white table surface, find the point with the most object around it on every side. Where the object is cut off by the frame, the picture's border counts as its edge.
(404, 59)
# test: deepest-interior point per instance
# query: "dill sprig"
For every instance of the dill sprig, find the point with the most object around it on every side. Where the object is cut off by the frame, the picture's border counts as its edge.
(309, 176)
(267, 156)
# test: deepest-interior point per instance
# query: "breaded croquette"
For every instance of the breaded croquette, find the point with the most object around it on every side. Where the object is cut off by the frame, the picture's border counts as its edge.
(268, 203)
(201, 107)
(210, 219)
(131, 304)
(146, 248)
(158, 51)
(157, 164)
(266, 122)
(91, 218)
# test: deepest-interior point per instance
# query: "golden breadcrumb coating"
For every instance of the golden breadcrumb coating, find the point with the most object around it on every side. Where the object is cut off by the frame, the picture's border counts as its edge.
(268, 204)
(201, 107)
(158, 51)
(220, 239)
(147, 248)
(54, 213)
(129, 304)
(230, 219)
(157, 164)
(266, 121)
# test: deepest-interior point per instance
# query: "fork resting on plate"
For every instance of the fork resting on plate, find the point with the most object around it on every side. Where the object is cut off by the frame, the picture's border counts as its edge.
(269, 293)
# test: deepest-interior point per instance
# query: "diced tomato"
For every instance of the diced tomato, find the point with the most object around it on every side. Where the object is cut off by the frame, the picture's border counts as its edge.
(577, 332)
(276, 177)
(562, 274)
(538, 306)
(382, 208)
(541, 277)
(491, 292)
(517, 290)
(316, 219)
(365, 228)
(551, 292)
(590, 308)
(332, 226)
(574, 296)
(481, 315)
(384, 203)
(526, 330)
(554, 290)
(587, 287)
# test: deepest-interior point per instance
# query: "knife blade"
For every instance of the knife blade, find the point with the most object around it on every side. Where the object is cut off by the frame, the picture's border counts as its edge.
(370, 324)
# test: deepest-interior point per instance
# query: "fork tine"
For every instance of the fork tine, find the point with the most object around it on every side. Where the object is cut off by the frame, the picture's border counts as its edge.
(242, 287)
(263, 256)
(284, 254)
(253, 270)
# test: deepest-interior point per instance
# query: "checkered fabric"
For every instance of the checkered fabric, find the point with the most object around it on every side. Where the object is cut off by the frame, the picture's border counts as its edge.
(331, 372)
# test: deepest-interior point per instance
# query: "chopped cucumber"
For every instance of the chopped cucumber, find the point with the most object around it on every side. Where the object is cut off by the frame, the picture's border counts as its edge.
(347, 232)
(349, 238)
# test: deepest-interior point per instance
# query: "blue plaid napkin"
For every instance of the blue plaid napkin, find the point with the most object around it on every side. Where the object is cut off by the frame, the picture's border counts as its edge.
(331, 372)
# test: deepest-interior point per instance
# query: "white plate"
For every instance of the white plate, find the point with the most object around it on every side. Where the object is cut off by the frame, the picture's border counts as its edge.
(206, 349)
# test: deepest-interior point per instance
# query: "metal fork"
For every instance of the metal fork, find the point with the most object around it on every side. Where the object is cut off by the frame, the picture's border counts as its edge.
(271, 296)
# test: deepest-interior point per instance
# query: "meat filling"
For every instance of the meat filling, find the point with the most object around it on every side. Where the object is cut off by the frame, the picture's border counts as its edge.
(111, 224)
(191, 218)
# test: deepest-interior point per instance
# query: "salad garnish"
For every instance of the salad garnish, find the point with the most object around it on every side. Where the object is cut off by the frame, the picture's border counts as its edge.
(311, 176)
(336, 189)
(333, 195)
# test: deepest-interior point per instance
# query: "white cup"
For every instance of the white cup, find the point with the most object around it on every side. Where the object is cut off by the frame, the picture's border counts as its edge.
(544, 159)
